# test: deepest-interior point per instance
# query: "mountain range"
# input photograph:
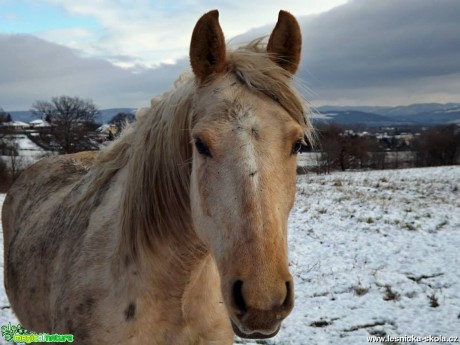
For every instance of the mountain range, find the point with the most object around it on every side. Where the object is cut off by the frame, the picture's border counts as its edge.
(425, 114)
(104, 117)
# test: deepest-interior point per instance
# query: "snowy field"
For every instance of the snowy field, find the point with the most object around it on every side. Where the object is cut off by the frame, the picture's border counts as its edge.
(28, 151)
(373, 254)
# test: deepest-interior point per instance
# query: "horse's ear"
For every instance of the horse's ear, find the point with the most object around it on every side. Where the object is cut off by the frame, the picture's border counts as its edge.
(207, 48)
(285, 42)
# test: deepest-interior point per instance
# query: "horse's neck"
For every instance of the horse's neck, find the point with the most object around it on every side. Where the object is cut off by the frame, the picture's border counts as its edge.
(180, 296)
(166, 269)
(202, 302)
(171, 267)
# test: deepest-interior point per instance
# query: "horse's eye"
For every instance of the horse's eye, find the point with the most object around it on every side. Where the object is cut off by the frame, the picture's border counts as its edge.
(297, 147)
(202, 148)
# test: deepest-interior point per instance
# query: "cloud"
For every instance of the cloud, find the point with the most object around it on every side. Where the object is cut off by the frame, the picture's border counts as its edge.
(73, 37)
(363, 52)
(154, 32)
(383, 45)
(33, 69)
(365, 41)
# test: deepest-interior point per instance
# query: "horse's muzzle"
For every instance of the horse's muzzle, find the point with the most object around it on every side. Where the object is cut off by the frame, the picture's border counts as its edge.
(255, 323)
(254, 335)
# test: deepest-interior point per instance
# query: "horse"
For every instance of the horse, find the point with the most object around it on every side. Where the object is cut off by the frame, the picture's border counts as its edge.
(176, 233)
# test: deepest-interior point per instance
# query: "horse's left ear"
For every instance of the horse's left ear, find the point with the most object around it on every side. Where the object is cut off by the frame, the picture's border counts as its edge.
(285, 42)
(207, 48)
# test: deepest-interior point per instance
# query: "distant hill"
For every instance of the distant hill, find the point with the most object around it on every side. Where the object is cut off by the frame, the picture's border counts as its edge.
(427, 114)
(351, 117)
(414, 114)
(105, 117)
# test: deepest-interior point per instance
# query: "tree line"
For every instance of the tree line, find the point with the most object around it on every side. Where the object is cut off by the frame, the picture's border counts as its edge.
(73, 122)
(338, 150)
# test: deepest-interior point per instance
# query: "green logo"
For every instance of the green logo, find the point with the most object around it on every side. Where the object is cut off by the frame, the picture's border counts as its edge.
(18, 334)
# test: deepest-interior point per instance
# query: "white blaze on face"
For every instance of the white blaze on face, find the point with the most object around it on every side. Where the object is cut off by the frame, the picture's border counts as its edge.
(251, 162)
(248, 133)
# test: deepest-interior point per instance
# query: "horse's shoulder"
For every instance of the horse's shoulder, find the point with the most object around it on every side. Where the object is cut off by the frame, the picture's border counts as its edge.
(61, 167)
(85, 158)
(51, 174)
(67, 164)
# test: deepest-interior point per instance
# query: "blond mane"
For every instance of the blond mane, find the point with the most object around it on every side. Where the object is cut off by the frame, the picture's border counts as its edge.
(157, 153)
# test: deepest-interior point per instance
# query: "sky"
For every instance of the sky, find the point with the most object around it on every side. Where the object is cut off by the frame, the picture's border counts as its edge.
(121, 53)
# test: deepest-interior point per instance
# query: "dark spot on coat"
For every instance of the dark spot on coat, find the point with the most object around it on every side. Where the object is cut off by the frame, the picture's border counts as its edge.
(86, 306)
(80, 335)
(130, 311)
(70, 329)
(127, 260)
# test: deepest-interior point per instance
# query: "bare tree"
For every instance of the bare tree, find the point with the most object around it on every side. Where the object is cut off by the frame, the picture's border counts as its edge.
(5, 178)
(4, 116)
(360, 149)
(72, 118)
(16, 161)
(332, 146)
(438, 146)
(12, 163)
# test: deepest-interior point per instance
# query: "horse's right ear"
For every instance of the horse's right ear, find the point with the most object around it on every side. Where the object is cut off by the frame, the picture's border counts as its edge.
(207, 48)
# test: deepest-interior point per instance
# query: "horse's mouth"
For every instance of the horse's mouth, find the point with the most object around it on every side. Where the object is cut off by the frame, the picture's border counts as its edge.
(254, 335)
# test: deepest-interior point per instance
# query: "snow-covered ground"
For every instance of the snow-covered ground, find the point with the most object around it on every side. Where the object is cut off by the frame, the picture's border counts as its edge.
(24, 145)
(28, 151)
(372, 253)
(6, 314)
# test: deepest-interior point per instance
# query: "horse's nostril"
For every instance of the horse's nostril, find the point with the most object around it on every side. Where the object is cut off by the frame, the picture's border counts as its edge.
(238, 299)
(288, 301)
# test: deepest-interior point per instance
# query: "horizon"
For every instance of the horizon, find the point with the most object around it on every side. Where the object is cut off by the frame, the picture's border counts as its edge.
(316, 107)
(355, 53)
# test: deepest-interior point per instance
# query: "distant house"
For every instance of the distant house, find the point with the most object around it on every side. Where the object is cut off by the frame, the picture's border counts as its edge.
(106, 129)
(15, 125)
(106, 133)
(39, 124)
